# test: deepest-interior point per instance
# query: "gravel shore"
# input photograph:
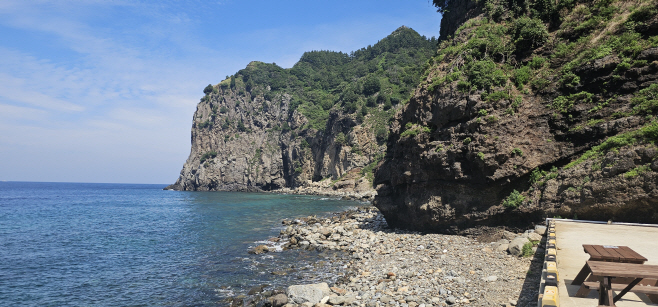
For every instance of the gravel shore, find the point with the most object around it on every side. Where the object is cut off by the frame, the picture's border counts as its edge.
(389, 267)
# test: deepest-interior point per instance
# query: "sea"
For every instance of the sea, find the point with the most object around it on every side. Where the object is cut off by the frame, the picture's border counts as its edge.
(88, 244)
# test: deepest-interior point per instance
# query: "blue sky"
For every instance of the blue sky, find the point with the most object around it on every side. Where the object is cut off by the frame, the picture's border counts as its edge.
(104, 91)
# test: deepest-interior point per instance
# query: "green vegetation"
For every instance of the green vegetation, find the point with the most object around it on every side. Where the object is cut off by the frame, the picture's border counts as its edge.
(646, 100)
(526, 250)
(529, 33)
(648, 133)
(208, 89)
(636, 171)
(205, 124)
(564, 104)
(536, 175)
(514, 200)
(367, 80)
(414, 129)
(208, 156)
(517, 151)
(368, 170)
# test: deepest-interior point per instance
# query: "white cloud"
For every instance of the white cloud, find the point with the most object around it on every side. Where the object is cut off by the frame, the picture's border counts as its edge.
(105, 90)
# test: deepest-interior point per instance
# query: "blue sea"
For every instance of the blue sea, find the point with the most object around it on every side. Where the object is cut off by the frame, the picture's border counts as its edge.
(84, 244)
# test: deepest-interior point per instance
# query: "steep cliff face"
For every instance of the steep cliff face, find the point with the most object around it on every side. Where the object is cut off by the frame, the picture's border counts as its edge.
(531, 110)
(320, 125)
(253, 145)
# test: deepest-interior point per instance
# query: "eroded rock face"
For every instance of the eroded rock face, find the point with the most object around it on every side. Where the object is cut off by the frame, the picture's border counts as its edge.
(455, 156)
(247, 143)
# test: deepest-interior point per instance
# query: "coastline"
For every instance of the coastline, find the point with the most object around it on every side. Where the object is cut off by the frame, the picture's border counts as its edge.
(390, 267)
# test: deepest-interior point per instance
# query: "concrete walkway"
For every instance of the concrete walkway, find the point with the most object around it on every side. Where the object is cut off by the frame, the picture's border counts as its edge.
(571, 236)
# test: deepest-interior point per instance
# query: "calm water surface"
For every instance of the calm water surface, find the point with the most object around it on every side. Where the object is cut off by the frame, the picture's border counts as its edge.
(72, 244)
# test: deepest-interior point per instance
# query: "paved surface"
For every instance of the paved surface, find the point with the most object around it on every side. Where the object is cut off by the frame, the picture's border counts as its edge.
(570, 239)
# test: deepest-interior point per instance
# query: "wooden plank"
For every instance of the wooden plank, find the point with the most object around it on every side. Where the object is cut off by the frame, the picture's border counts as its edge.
(615, 253)
(633, 254)
(593, 253)
(593, 285)
(627, 254)
(618, 269)
(604, 253)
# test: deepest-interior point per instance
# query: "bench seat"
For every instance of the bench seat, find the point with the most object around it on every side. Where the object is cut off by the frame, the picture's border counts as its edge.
(593, 285)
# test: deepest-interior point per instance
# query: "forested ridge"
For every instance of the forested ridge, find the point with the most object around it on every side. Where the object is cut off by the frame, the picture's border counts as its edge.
(371, 79)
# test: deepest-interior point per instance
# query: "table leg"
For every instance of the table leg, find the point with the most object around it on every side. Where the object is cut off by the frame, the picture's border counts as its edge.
(584, 272)
(605, 292)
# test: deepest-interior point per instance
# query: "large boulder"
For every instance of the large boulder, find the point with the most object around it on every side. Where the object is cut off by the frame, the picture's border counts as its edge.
(516, 246)
(311, 293)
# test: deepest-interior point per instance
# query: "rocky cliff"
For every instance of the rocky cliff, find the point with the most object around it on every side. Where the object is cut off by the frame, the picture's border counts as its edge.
(319, 127)
(529, 109)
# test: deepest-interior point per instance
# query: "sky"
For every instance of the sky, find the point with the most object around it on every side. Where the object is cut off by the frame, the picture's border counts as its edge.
(105, 90)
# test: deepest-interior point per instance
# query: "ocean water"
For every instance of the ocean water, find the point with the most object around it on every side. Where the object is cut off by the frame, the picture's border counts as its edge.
(79, 244)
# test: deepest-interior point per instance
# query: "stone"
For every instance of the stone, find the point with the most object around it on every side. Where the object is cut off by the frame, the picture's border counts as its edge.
(260, 249)
(516, 246)
(256, 289)
(337, 300)
(451, 300)
(502, 248)
(278, 300)
(338, 291)
(491, 278)
(540, 230)
(534, 236)
(311, 293)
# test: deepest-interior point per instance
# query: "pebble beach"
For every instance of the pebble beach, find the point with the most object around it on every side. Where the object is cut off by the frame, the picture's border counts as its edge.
(383, 267)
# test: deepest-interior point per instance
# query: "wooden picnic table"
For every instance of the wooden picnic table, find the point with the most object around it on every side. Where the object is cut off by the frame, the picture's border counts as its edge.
(608, 253)
(609, 270)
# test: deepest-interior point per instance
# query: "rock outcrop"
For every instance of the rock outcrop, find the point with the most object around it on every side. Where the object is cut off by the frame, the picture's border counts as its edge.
(506, 132)
(248, 143)
(320, 126)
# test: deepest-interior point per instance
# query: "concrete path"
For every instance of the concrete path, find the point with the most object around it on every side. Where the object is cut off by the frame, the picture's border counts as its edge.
(571, 236)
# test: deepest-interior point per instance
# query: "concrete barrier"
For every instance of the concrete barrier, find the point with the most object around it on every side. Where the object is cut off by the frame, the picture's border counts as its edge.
(548, 289)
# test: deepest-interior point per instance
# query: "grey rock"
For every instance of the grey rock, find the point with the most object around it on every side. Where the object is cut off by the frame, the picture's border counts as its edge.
(336, 300)
(502, 247)
(491, 278)
(311, 293)
(278, 300)
(534, 237)
(516, 246)
(540, 230)
(451, 300)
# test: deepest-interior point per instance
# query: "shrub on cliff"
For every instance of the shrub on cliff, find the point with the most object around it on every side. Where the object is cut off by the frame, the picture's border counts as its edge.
(514, 200)
(208, 89)
(529, 33)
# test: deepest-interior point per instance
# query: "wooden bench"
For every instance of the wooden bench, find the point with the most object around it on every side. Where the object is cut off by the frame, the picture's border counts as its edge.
(607, 271)
(608, 253)
(647, 287)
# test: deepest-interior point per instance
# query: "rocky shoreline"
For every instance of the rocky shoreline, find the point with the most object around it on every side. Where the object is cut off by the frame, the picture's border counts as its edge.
(347, 188)
(390, 267)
